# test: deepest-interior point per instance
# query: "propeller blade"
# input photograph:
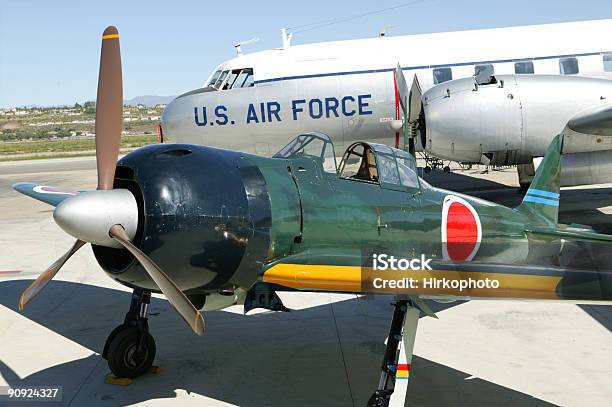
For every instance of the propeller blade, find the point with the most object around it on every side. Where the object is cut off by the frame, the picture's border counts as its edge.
(174, 295)
(411, 106)
(416, 101)
(109, 108)
(41, 282)
(402, 91)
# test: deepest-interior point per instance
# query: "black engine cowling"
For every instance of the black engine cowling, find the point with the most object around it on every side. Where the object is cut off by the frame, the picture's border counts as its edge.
(204, 218)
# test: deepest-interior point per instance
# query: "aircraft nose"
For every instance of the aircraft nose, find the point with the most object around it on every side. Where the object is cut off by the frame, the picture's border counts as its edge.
(177, 119)
(167, 121)
(89, 216)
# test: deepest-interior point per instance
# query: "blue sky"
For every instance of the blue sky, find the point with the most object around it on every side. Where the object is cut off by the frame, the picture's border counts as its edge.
(49, 50)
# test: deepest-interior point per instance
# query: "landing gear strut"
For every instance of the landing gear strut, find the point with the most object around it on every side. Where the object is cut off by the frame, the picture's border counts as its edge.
(526, 172)
(393, 383)
(130, 348)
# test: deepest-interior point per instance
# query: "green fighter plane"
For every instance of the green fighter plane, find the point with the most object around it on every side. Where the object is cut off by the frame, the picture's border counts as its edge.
(210, 228)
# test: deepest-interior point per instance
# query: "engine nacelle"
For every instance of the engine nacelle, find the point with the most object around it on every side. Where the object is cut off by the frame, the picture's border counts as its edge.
(204, 218)
(509, 119)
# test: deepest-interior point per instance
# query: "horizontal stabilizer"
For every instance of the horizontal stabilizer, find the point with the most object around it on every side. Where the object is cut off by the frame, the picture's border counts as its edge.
(422, 305)
(49, 195)
(570, 233)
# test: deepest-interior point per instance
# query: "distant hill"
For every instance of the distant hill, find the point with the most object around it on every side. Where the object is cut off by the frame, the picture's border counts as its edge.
(149, 100)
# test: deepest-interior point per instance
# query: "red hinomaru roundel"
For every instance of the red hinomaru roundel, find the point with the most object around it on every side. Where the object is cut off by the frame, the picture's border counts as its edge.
(461, 229)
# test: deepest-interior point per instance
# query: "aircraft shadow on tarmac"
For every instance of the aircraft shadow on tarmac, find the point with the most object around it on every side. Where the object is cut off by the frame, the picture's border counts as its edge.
(266, 359)
(600, 313)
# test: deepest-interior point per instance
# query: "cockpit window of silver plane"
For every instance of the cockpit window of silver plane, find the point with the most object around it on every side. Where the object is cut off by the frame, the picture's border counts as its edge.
(248, 79)
(214, 78)
(232, 79)
(240, 78)
(220, 80)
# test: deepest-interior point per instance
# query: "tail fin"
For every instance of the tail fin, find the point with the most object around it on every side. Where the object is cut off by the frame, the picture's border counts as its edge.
(542, 198)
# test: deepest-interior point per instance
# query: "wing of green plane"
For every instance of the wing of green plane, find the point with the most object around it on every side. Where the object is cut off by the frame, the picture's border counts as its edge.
(49, 195)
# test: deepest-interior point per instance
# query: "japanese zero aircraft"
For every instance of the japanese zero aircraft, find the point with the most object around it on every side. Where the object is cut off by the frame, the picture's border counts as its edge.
(530, 82)
(209, 228)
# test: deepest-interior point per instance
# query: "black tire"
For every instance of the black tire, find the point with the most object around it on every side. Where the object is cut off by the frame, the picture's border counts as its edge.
(447, 169)
(110, 338)
(122, 357)
(427, 169)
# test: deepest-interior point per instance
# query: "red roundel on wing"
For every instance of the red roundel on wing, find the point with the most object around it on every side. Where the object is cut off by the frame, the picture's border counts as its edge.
(461, 232)
(50, 189)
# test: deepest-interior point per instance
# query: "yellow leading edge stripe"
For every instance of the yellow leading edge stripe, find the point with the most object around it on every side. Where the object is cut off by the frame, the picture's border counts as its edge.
(109, 36)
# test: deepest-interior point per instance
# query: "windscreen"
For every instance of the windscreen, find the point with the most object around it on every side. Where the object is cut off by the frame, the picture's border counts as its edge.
(316, 145)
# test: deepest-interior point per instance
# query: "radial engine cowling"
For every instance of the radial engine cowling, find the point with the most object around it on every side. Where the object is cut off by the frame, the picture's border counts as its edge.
(507, 119)
(204, 218)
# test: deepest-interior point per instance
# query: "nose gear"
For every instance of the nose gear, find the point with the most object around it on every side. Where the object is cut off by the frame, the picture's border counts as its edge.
(130, 348)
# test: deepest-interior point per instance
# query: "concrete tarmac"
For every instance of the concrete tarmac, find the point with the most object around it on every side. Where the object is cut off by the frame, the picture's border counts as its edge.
(326, 352)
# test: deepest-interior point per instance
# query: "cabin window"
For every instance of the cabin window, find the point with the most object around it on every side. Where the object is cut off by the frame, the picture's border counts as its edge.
(524, 68)
(441, 75)
(607, 61)
(568, 66)
(489, 69)
(407, 169)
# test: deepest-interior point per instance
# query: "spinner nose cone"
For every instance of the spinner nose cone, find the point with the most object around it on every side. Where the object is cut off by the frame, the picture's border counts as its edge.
(89, 215)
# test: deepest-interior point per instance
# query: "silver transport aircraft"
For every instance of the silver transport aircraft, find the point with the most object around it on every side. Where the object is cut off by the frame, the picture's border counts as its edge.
(494, 96)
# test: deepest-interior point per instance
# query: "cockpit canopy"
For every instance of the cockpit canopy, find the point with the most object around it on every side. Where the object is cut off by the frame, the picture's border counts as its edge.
(381, 164)
(366, 162)
(224, 79)
(316, 145)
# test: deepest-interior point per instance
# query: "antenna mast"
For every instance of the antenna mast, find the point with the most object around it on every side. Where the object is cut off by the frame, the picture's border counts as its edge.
(240, 44)
(286, 37)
